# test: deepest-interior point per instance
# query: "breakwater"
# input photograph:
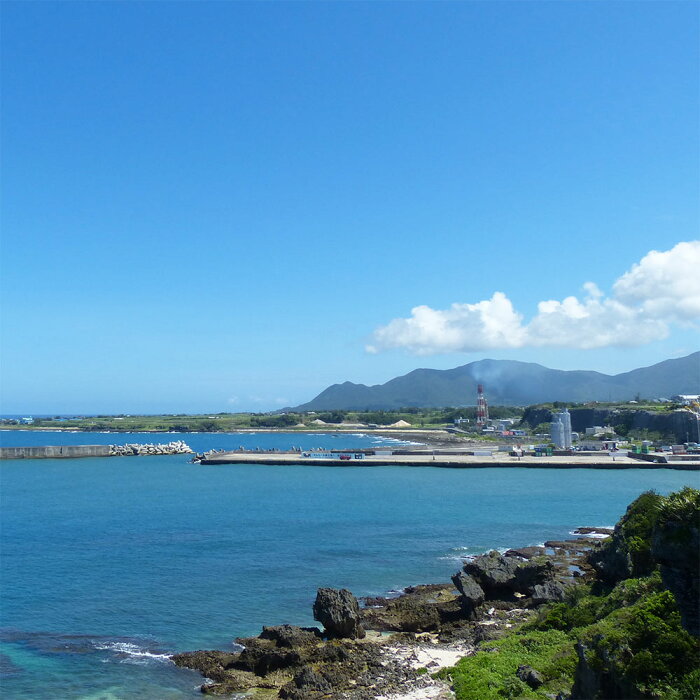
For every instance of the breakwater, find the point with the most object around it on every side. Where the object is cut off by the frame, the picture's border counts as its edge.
(447, 460)
(77, 451)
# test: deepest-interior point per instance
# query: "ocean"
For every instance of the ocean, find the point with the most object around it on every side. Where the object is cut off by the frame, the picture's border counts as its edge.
(109, 565)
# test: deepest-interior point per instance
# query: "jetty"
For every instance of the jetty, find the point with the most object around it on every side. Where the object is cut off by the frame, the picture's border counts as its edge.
(454, 459)
(177, 447)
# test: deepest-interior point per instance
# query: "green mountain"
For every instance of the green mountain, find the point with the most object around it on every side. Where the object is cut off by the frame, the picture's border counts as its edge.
(508, 382)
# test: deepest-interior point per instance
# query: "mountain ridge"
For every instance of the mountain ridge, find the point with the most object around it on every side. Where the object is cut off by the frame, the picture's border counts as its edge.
(511, 382)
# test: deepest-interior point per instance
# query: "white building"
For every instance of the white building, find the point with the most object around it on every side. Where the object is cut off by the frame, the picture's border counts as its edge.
(561, 430)
(686, 399)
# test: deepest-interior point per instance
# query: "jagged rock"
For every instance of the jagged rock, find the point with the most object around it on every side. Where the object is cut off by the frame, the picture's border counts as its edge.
(593, 531)
(599, 678)
(212, 664)
(528, 675)
(531, 573)
(235, 681)
(471, 593)
(497, 574)
(412, 616)
(526, 552)
(262, 660)
(305, 684)
(548, 592)
(492, 571)
(611, 562)
(290, 636)
(339, 613)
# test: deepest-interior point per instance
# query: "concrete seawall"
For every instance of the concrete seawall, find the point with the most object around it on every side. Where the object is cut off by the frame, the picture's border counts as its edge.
(74, 451)
(449, 461)
(55, 451)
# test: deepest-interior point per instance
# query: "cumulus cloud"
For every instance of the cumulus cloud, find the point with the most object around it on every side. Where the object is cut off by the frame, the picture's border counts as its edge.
(661, 290)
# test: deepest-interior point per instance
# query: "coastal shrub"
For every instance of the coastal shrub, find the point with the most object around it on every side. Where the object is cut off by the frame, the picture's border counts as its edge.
(582, 608)
(687, 687)
(629, 592)
(681, 507)
(333, 417)
(631, 635)
(284, 420)
(645, 647)
(565, 617)
(490, 674)
(636, 527)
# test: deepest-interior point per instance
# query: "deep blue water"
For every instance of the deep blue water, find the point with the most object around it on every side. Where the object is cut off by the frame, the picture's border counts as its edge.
(109, 563)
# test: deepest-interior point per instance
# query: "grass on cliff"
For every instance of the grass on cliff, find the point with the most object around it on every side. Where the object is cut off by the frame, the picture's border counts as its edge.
(629, 633)
(633, 630)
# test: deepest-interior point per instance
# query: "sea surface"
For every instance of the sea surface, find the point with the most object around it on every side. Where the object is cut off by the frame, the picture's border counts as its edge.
(109, 565)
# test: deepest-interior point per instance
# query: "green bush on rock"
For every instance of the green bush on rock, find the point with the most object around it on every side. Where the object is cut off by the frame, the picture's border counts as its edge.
(619, 637)
(490, 674)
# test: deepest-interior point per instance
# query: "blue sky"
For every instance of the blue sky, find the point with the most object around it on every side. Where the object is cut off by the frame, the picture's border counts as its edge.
(221, 206)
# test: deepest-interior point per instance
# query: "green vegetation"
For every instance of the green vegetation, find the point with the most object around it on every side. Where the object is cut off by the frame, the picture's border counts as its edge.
(230, 422)
(491, 673)
(622, 640)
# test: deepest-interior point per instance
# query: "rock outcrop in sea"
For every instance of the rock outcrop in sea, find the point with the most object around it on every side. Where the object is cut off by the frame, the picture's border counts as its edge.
(575, 620)
(352, 659)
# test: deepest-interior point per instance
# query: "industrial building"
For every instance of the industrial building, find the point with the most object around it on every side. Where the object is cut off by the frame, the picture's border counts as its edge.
(561, 430)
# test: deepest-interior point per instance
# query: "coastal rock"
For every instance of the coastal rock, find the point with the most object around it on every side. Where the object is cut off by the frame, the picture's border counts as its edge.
(290, 636)
(262, 660)
(212, 664)
(597, 677)
(471, 593)
(419, 609)
(339, 613)
(235, 682)
(627, 554)
(305, 683)
(548, 592)
(526, 552)
(593, 531)
(528, 675)
(531, 573)
(498, 575)
(492, 571)
(407, 615)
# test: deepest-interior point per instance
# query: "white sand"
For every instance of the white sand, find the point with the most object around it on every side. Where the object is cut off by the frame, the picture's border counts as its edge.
(433, 657)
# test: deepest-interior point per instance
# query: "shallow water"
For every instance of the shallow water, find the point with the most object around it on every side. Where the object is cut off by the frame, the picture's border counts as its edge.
(110, 564)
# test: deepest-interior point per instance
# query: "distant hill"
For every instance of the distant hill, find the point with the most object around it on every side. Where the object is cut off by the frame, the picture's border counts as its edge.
(508, 382)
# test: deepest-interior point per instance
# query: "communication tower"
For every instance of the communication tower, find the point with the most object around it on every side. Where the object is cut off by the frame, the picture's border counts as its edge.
(482, 408)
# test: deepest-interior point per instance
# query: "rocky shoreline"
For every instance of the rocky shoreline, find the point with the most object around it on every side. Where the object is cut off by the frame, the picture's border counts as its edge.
(388, 648)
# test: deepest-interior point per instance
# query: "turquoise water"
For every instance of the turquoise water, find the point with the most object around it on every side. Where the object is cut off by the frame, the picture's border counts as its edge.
(110, 564)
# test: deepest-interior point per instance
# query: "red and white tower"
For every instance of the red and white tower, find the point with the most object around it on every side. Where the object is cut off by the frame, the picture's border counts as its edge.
(482, 408)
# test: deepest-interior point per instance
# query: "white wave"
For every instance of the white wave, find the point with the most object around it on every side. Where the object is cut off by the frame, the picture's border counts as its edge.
(592, 535)
(454, 553)
(131, 651)
(111, 693)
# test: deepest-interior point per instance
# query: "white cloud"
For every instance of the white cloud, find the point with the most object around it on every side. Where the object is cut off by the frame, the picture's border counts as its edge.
(489, 324)
(665, 284)
(662, 289)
